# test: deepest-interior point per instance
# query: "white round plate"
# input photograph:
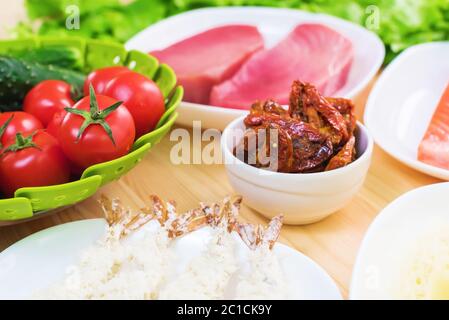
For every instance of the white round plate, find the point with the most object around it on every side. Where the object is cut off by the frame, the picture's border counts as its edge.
(395, 229)
(274, 25)
(41, 259)
(402, 102)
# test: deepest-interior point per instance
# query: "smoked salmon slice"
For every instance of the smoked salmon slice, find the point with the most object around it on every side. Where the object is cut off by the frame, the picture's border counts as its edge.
(210, 57)
(434, 148)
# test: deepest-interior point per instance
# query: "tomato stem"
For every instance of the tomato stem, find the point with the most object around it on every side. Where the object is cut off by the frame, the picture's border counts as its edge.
(20, 140)
(22, 143)
(95, 115)
(3, 128)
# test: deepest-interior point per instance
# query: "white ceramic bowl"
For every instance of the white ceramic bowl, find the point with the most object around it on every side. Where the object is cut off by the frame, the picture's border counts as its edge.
(403, 100)
(301, 198)
(274, 24)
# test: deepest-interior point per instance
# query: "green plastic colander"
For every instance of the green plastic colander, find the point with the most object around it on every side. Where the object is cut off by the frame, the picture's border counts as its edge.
(32, 202)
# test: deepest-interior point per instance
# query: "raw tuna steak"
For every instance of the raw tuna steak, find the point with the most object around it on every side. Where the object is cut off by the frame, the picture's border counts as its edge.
(211, 57)
(311, 53)
(434, 148)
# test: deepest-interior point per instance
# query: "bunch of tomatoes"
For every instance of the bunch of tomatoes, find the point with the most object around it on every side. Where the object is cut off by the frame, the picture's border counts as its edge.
(55, 139)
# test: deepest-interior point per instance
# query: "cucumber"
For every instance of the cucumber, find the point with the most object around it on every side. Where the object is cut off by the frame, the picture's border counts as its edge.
(59, 56)
(17, 77)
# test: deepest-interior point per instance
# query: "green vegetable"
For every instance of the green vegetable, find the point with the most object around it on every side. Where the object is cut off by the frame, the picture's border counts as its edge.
(17, 77)
(400, 23)
(104, 19)
(60, 56)
(58, 8)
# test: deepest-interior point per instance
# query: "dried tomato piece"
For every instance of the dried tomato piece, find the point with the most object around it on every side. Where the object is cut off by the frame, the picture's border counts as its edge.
(307, 104)
(279, 148)
(347, 109)
(259, 111)
(344, 157)
(298, 147)
(315, 134)
(311, 149)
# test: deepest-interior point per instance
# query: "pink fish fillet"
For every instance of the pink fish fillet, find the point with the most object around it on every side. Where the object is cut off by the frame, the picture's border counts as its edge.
(434, 147)
(210, 58)
(311, 53)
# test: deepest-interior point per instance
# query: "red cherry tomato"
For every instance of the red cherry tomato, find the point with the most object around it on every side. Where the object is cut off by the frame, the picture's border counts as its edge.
(100, 78)
(141, 96)
(107, 131)
(55, 123)
(17, 121)
(32, 161)
(47, 98)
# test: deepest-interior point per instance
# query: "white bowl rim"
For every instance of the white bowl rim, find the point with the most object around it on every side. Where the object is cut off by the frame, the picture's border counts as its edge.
(366, 155)
(370, 107)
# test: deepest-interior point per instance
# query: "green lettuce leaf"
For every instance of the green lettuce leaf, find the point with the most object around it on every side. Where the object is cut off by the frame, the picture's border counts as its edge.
(399, 23)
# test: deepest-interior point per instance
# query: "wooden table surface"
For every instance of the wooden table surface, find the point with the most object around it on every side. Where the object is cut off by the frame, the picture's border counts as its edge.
(332, 243)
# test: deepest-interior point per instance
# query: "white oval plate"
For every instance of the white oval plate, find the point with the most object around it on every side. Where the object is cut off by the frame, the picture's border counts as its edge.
(41, 259)
(274, 25)
(402, 102)
(390, 235)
